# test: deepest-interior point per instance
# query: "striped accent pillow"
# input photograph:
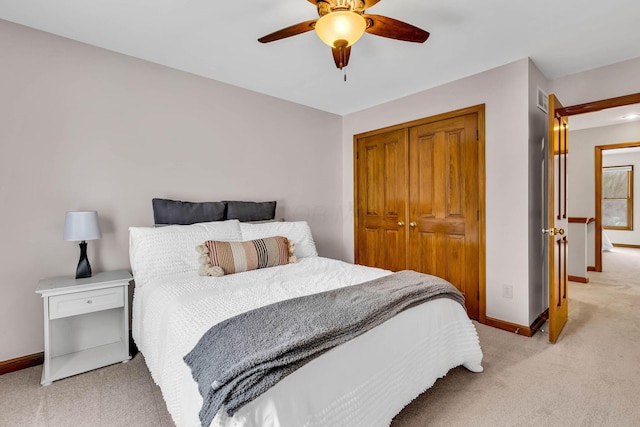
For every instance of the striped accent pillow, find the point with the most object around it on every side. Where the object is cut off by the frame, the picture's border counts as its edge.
(220, 258)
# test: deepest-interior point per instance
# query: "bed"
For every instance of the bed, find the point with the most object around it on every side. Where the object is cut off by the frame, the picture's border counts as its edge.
(363, 382)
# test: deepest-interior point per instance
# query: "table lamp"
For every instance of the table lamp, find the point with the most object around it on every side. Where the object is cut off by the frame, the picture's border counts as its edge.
(81, 226)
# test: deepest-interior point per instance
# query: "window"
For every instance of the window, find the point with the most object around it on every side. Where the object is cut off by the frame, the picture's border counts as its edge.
(617, 197)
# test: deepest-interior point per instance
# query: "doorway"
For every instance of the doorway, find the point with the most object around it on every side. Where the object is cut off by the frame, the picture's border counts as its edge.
(581, 112)
(631, 153)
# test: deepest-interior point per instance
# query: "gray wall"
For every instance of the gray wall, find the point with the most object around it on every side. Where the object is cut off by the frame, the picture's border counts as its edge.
(600, 83)
(86, 128)
(538, 243)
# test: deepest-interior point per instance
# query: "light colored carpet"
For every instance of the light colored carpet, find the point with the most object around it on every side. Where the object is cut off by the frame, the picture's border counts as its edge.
(591, 377)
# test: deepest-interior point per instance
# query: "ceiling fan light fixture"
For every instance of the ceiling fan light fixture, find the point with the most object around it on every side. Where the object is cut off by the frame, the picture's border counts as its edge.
(340, 26)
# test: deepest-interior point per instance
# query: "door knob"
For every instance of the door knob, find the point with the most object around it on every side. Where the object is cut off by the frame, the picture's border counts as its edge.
(553, 231)
(400, 224)
(413, 224)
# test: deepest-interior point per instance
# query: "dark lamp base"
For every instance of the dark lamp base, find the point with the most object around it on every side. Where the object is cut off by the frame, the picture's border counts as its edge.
(84, 269)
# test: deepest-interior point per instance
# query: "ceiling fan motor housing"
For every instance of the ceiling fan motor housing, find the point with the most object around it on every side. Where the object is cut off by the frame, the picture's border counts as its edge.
(328, 6)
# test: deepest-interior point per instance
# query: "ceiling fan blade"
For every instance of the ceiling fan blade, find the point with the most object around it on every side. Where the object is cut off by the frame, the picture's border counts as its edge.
(341, 56)
(384, 26)
(293, 30)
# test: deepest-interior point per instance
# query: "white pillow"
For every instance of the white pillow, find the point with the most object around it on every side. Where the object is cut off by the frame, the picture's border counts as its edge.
(157, 252)
(296, 231)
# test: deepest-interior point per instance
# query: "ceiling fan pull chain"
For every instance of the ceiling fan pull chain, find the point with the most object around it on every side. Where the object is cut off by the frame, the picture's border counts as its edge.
(345, 73)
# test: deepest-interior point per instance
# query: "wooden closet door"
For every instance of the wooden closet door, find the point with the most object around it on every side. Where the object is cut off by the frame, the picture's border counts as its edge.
(443, 203)
(381, 205)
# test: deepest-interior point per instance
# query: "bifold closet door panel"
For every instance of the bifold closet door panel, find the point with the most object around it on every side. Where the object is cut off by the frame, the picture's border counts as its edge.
(443, 202)
(381, 208)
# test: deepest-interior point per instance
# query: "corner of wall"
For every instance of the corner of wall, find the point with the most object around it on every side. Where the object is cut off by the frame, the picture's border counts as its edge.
(537, 243)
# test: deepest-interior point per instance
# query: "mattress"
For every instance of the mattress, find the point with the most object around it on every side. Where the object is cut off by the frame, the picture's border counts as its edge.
(364, 382)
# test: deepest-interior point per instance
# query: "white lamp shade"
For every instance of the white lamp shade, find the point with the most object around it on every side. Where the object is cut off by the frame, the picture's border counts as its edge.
(340, 25)
(81, 225)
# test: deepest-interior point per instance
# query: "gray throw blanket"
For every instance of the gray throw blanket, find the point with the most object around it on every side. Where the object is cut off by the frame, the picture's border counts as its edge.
(242, 357)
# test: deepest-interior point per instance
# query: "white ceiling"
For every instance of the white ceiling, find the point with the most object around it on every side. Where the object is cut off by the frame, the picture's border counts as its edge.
(608, 117)
(217, 39)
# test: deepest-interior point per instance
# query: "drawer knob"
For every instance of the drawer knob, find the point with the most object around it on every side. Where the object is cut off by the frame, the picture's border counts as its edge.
(89, 301)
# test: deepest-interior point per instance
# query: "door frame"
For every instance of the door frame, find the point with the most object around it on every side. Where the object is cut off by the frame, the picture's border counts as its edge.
(480, 111)
(591, 107)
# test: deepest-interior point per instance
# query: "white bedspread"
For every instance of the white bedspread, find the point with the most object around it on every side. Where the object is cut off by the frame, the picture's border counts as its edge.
(364, 382)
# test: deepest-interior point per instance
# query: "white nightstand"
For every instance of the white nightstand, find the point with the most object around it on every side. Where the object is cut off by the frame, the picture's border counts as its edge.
(86, 323)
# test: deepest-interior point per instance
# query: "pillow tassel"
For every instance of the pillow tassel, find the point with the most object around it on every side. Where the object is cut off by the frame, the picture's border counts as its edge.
(205, 263)
(292, 247)
(215, 271)
(202, 249)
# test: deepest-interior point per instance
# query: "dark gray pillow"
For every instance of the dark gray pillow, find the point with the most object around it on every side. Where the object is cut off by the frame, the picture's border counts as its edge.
(168, 212)
(251, 211)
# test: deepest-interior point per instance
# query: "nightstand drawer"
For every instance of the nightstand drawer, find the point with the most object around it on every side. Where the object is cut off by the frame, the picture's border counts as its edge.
(85, 302)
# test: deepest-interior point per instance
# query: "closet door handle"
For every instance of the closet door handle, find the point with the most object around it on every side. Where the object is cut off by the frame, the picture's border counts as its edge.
(400, 224)
(413, 224)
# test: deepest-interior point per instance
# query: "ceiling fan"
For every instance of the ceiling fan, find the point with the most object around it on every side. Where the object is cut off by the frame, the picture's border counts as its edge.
(342, 23)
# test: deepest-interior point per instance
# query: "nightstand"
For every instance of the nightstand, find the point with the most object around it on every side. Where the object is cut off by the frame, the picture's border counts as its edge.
(86, 323)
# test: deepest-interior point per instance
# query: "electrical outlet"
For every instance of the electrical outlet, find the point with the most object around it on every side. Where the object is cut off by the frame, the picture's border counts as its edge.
(507, 291)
